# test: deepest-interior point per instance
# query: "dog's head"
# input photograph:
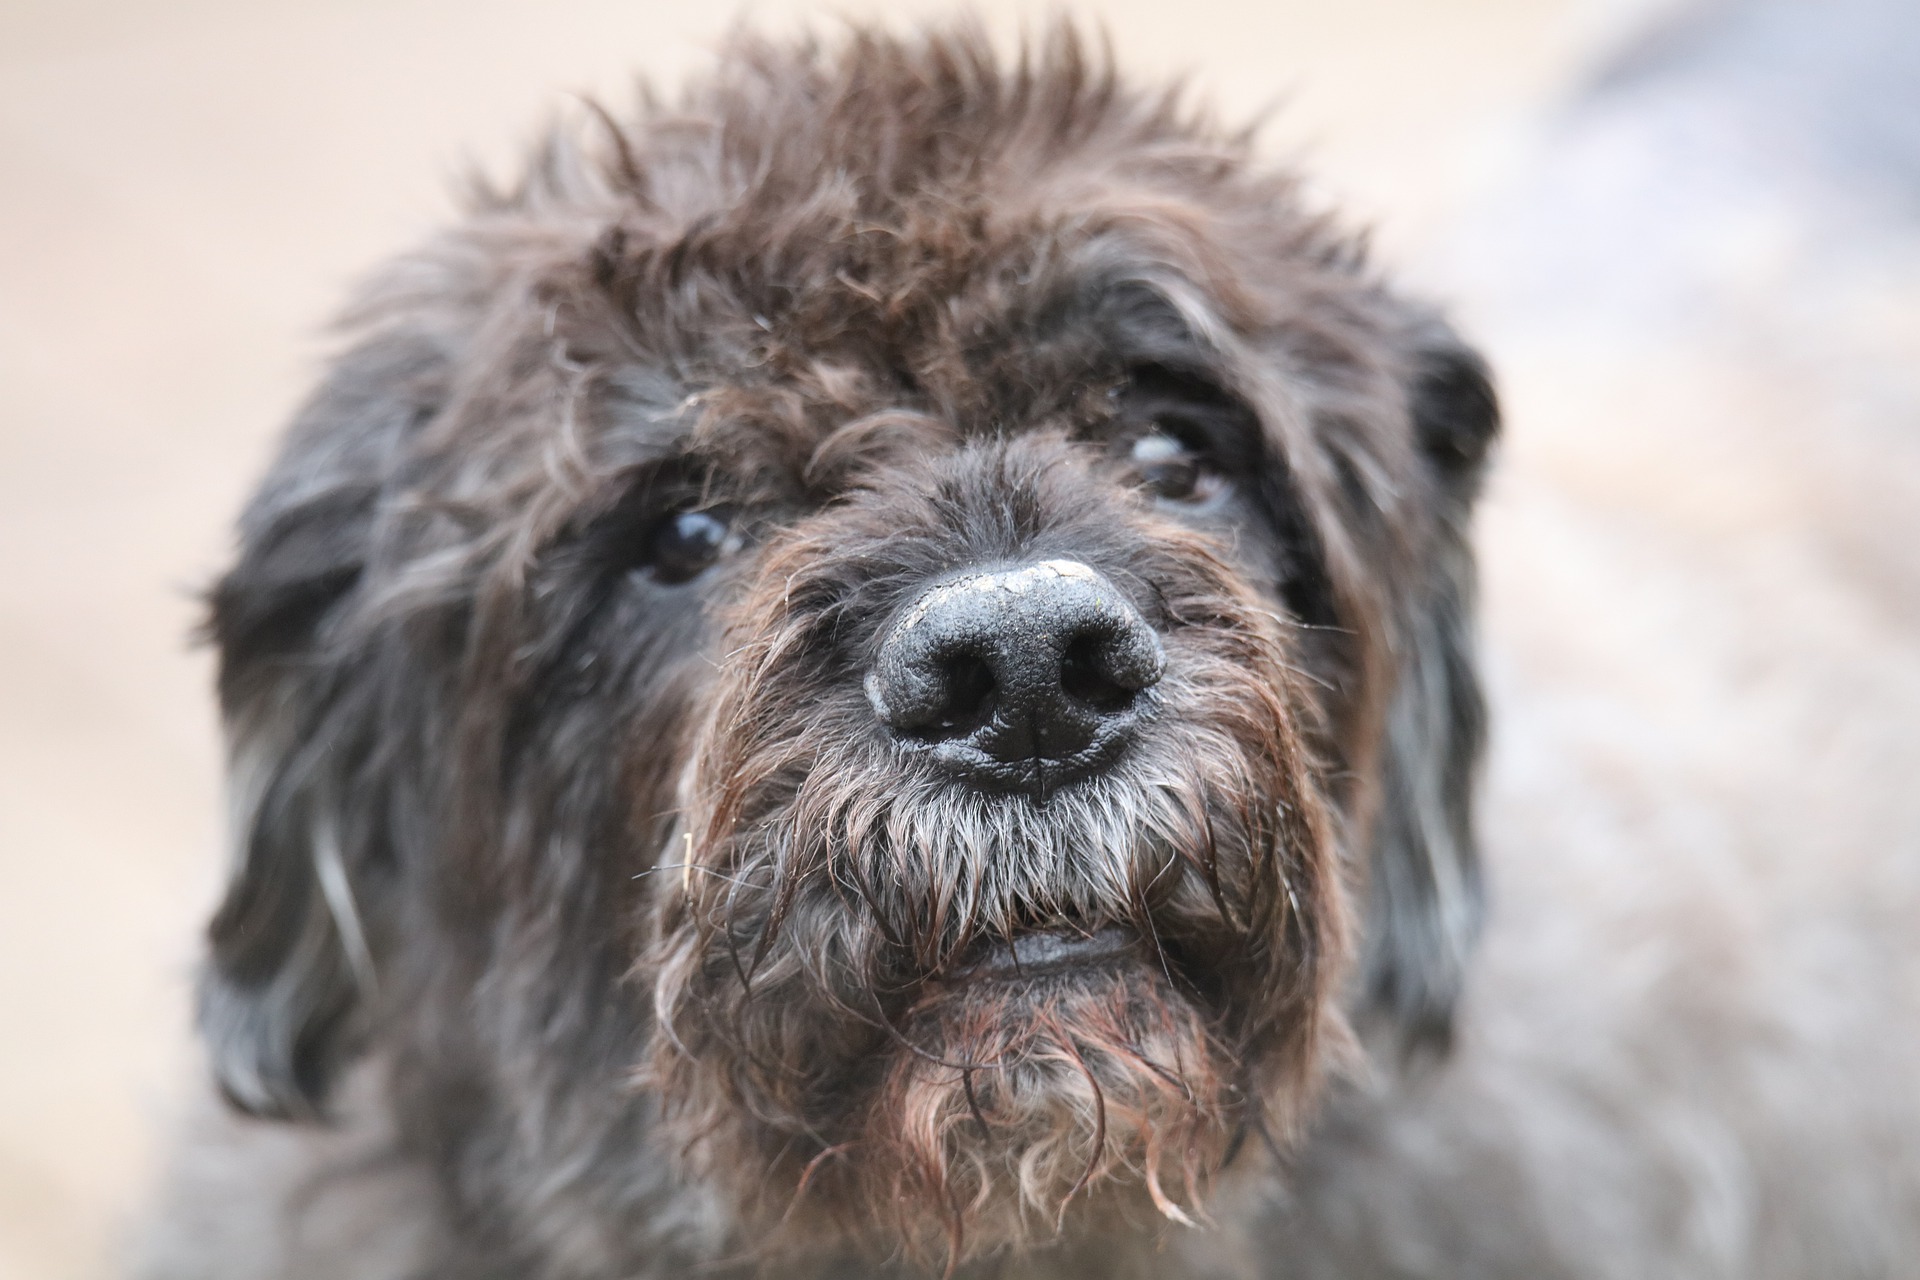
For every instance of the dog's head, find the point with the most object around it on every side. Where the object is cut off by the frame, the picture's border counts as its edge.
(857, 636)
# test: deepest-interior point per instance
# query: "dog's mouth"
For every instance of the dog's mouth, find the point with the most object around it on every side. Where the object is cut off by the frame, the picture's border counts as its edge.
(1051, 953)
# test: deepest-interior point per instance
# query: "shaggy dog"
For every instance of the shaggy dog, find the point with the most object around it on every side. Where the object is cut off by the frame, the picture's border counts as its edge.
(867, 674)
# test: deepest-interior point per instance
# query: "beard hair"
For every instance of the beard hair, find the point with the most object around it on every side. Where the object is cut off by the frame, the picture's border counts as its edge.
(1016, 1098)
(813, 1039)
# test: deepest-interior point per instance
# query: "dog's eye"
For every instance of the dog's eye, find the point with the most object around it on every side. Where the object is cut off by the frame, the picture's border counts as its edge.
(686, 543)
(1173, 472)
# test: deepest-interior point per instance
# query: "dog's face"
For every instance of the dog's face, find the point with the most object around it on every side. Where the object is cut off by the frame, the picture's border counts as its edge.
(1004, 878)
(854, 643)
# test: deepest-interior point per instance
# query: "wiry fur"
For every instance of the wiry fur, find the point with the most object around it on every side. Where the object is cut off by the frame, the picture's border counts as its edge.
(650, 942)
(827, 875)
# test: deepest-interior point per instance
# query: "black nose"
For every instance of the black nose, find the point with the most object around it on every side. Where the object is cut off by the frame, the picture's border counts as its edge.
(1022, 679)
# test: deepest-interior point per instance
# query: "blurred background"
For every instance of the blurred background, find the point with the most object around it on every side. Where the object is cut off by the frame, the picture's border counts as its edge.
(1687, 232)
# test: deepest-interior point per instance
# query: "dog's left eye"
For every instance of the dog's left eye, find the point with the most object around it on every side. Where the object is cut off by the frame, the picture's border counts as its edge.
(1173, 472)
(686, 543)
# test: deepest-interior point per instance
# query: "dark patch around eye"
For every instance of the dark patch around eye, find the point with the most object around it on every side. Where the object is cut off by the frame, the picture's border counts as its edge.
(608, 592)
(1218, 431)
(1305, 586)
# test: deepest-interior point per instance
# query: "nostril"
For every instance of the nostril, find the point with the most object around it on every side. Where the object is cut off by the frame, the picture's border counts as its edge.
(933, 694)
(1087, 676)
(969, 689)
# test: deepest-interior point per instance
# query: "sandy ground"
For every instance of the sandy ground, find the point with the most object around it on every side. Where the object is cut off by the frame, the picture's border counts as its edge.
(186, 189)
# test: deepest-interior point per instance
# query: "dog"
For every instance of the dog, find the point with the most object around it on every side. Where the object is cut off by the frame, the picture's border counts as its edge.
(873, 675)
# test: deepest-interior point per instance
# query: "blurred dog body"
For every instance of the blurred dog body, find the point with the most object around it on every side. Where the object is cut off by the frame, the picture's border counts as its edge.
(1683, 1045)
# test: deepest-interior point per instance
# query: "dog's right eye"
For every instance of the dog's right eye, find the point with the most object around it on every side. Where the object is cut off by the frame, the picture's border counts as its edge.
(1174, 472)
(686, 543)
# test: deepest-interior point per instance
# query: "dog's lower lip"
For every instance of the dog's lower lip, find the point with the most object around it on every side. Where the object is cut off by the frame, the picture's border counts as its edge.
(1045, 952)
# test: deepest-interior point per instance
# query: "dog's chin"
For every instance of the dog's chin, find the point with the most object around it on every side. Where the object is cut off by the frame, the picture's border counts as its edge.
(1053, 1082)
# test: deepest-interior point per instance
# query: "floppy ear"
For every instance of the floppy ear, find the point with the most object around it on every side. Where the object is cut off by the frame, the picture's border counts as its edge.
(285, 994)
(1424, 893)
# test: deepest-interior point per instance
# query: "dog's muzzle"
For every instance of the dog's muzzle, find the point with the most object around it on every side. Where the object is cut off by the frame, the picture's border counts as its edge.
(1024, 679)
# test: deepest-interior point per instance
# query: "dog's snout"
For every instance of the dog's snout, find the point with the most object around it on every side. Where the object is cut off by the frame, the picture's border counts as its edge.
(1024, 679)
